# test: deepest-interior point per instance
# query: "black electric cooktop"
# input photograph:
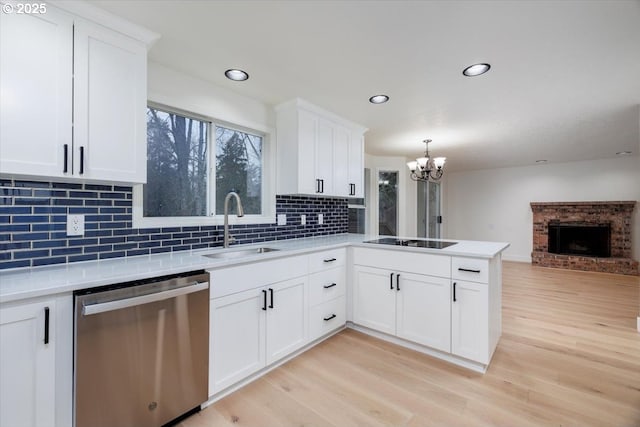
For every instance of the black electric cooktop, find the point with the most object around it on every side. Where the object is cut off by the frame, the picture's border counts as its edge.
(415, 243)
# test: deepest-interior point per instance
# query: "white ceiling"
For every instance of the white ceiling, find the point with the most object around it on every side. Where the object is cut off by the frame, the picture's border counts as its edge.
(564, 83)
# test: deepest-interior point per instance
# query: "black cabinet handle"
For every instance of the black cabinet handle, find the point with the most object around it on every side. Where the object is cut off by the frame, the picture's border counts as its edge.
(329, 286)
(46, 325)
(468, 270)
(391, 281)
(66, 158)
(322, 185)
(317, 186)
(264, 300)
(329, 260)
(398, 282)
(354, 189)
(454, 292)
(81, 160)
(326, 319)
(271, 298)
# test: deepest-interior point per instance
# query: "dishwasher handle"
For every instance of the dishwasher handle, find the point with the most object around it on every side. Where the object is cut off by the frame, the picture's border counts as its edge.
(91, 309)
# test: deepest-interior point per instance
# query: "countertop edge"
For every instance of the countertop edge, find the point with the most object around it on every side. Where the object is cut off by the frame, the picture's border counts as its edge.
(74, 276)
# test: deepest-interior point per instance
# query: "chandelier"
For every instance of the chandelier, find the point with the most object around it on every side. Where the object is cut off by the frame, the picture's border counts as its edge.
(425, 168)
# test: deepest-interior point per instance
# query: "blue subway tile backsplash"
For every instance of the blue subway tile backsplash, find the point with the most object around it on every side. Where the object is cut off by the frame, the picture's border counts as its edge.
(33, 224)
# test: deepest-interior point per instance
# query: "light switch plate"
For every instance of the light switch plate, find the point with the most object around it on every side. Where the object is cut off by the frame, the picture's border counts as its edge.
(282, 219)
(303, 220)
(75, 225)
(320, 219)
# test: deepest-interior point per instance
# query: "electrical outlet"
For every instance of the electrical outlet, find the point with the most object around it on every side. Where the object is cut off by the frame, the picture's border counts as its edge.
(282, 219)
(320, 219)
(75, 225)
(303, 220)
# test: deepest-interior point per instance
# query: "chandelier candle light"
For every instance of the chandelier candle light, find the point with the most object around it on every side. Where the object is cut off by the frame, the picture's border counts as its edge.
(425, 168)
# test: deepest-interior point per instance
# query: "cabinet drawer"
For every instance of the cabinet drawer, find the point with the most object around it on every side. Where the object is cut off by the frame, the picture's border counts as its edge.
(326, 285)
(401, 260)
(327, 317)
(231, 280)
(320, 261)
(472, 269)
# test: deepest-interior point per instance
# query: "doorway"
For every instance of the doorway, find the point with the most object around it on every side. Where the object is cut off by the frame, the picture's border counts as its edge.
(428, 204)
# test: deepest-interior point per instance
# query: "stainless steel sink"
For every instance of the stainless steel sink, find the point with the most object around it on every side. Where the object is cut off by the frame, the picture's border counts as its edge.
(239, 253)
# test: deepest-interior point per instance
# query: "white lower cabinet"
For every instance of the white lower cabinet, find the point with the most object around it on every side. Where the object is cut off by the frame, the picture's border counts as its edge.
(327, 317)
(469, 321)
(424, 310)
(254, 328)
(36, 362)
(411, 306)
(27, 365)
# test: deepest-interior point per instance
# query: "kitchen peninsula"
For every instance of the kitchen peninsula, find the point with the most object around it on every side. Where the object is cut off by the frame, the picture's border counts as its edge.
(444, 302)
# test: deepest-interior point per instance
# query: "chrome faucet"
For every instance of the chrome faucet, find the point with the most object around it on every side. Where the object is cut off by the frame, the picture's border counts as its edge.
(227, 238)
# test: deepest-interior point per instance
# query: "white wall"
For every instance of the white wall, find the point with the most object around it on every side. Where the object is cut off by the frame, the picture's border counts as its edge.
(406, 193)
(175, 89)
(494, 204)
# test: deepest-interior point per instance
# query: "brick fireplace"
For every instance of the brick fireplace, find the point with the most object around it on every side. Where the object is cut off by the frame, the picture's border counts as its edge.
(613, 216)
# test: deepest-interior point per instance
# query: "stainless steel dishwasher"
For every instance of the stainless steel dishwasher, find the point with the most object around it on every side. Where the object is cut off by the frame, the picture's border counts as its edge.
(141, 351)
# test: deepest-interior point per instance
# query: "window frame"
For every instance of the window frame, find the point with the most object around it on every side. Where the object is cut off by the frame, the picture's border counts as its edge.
(268, 180)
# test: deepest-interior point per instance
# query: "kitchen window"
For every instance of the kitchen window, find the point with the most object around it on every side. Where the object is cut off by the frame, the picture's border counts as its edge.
(193, 162)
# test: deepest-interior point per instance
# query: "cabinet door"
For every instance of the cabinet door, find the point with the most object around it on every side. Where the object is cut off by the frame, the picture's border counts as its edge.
(307, 138)
(341, 187)
(374, 300)
(424, 310)
(36, 52)
(287, 318)
(27, 365)
(356, 164)
(324, 156)
(237, 338)
(469, 321)
(110, 96)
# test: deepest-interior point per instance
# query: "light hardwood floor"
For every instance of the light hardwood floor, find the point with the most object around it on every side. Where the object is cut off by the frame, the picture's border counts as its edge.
(569, 356)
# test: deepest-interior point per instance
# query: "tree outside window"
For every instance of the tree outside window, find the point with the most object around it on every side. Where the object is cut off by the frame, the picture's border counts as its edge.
(178, 156)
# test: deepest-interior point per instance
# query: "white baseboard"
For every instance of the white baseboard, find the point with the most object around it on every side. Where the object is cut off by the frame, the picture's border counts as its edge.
(516, 258)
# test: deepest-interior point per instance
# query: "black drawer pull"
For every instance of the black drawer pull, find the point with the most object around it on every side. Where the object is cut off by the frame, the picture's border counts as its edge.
(66, 158)
(264, 300)
(326, 319)
(330, 260)
(468, 270)
(330, 286)
(46, 325)
(81, 160)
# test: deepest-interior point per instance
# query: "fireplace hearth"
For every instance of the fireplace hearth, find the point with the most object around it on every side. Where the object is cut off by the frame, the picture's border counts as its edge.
(590, 236)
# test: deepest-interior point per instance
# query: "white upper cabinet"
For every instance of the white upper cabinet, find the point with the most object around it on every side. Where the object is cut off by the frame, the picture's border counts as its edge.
(74, 97)
(319, 153)
(110, 98)
(36, 53)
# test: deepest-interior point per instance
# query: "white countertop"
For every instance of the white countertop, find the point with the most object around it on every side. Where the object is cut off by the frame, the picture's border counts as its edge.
(24, 283)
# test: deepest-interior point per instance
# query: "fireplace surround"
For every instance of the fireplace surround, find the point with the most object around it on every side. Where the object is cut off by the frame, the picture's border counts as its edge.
(589, 236)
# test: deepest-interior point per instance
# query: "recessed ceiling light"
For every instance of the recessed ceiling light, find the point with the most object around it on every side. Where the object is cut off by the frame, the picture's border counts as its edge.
(236, 75)
(623, 153)
(541, 161)
(378, 99)
(476, 69)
